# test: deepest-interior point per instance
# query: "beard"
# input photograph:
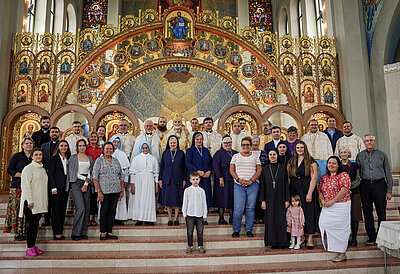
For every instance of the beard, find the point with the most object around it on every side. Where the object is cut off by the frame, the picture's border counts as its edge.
(162, 128)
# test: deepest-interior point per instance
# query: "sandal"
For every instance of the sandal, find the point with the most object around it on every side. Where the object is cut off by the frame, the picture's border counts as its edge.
(339, 258)
(92, 223)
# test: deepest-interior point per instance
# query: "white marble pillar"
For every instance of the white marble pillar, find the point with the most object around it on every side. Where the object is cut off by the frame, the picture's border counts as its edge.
(242, 8)
(309, 18)
(114, 7)
(294, 21)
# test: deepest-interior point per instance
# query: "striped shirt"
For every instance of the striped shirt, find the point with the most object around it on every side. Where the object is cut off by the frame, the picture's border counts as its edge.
(245, 166)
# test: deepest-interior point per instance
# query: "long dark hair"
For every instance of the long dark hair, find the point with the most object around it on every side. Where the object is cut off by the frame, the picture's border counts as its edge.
(57, 150)
(194, 137)
(293, 162)
(177, 141)
(339, 170)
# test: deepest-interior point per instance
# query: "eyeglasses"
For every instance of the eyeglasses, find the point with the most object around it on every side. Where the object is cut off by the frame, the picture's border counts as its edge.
(245, 145)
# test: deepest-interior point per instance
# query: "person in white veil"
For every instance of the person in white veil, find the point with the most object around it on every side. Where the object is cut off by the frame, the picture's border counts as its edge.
(122, 211)
(144, 176)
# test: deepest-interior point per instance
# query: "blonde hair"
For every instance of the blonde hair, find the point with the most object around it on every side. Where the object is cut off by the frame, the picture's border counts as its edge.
(97, 135)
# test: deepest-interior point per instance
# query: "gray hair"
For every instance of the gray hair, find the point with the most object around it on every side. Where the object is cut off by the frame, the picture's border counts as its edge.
(347, 149)
(369, 134)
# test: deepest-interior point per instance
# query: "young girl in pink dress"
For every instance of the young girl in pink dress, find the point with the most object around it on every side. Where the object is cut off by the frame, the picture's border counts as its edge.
(295, 222)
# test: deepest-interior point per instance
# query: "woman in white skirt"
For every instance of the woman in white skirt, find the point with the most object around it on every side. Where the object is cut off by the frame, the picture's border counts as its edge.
(144, 176)
(334, 221)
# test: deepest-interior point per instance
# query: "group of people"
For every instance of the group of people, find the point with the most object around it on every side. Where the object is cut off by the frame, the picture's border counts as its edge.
(281, 183)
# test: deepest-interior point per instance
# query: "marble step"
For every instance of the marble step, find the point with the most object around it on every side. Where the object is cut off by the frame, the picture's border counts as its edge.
(157, 258)
(132, 243)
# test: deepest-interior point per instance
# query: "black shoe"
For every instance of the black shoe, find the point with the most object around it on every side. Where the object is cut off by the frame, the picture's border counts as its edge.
(205, 223)
(75, 238)
(46, 223)
(222, 222)
(370, 242)
(84, 237)
(139, 223)
(310, 246)
(230, 221)
(235, 235)
(19, 238)
(112, 237)
(170, 223)
(59, 239)
(353, 242)
(118, 222)
(103, 238)
(148, 223)
(176, 222)
(249, 234)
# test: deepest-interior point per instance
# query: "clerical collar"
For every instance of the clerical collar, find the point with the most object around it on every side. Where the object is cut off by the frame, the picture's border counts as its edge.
(351, 134)
(123, 133)
(44, 131)
(149, 134)
(54, 142)
(208, 131)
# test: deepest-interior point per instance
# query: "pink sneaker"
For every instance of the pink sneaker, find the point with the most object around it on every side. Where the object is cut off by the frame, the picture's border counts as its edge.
(38, 251)
(31, 252)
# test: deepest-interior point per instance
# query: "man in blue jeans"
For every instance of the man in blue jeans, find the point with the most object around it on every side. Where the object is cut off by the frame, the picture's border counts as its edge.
(245, 169)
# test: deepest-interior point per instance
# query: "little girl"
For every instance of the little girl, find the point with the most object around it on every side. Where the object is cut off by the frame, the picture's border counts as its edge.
(295, 222)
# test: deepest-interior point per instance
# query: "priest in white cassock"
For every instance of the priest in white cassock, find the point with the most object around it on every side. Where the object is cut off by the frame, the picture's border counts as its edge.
(122, 210)
(179, 130)
(144, 177)
(353, 142)
(149, 137)
(319, 146)
(211, 139)
(237, 135)
(127, 140)
(75, 136)
(161, 128)
(242, 122)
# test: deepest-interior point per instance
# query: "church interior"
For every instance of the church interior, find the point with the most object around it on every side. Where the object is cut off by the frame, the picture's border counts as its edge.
(283, 61)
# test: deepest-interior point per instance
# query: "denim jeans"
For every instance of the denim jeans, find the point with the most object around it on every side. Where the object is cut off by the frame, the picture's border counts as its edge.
(244, 197)
(190, 223)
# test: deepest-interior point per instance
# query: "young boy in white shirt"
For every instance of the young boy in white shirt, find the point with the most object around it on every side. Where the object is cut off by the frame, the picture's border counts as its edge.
(194, 211)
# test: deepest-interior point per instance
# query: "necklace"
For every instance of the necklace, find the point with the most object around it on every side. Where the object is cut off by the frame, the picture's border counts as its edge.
(273, 177)
(173, 155)
(230, 153)
(200, 151)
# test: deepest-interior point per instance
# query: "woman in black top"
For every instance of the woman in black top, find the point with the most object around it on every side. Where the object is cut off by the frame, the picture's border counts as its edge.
(18, 161)
(59, 187)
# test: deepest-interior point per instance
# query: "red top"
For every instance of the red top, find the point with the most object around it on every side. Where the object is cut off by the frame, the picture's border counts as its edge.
(93, 152)
(330, 186)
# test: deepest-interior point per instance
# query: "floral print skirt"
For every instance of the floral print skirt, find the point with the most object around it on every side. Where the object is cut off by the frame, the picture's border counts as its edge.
(14, 224)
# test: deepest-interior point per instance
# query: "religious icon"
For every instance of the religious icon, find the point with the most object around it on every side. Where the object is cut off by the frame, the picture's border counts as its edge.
(47, 41)
(22, 94)
(84, 97)
(26, 41)
(325, 44)
(326, 68)
(328, 95)
(120, 59)
(247, 35)
(114, 131)
(152, 45)
(320, 127)
(129, 23)
(109, 32)
(67, 41)
(29, 128)
(107, 69)
(220, 52)
(227, 24)
(95, 12)
(287, 68)
(309, 95)
(307, 69)
(43, 96)
(305, 44)
(45, 66)
(94, 82)
(24, 66)
(87, 43)
(207, 19)
(287, 44)
(150, 17)
(204, 46)
(136, 50)
(267, 45)
(260, 82)
(65, 66)
(269, 97)
(179, 26)
(235, 60)
(248, 71)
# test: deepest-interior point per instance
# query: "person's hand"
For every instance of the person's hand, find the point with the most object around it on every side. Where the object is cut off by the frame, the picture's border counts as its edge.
(125, 184)
(329, 203)
(100, 197)
(309, 198)
(31, 205)
(221, 182)
(323, 203)
(84, 188)
(204, 219)
(207, 174)
(301, 226)
(160, 183)
(388, 196)
(133, 189)
(289, 225)
(121, 195)
(54, 192)
(184, 218)
(201, 173)
(18, 174)
(156, 189)
(286, 204)
(263, 205)
(87, 180)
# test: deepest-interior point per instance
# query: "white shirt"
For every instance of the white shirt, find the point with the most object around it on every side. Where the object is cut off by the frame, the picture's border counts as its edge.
(194, 202)
(83, 168)
(64, 163)
(276, 142)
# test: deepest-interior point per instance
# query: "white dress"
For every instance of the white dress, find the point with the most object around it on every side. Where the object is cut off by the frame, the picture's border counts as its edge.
(144, 174)
(122, 211)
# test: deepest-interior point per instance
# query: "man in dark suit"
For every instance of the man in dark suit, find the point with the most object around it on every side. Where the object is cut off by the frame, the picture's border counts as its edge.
(42, 135)
(276, 138)
(48, 150)
(332, 132)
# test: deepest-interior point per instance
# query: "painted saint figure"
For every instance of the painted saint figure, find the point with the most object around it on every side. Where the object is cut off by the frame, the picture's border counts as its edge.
(179, 26)
(24, 66)
(42, 95)
(87, 44)
(22, 95)
(287, 68)
(65, 66)
(45, 67)
(328, 96)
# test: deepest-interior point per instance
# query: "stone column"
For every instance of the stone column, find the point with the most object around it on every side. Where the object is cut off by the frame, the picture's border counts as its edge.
(242, 7)
(114, 7)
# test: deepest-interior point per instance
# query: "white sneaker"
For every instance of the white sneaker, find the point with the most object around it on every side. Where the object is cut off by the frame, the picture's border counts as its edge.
(296, 247)
(291, 245)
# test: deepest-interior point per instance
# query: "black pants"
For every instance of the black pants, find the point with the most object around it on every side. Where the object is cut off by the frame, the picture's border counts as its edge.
(59, 206)
(190, 223)
(373, 193)
(107, 212)
(93, 200)
(33, 225)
